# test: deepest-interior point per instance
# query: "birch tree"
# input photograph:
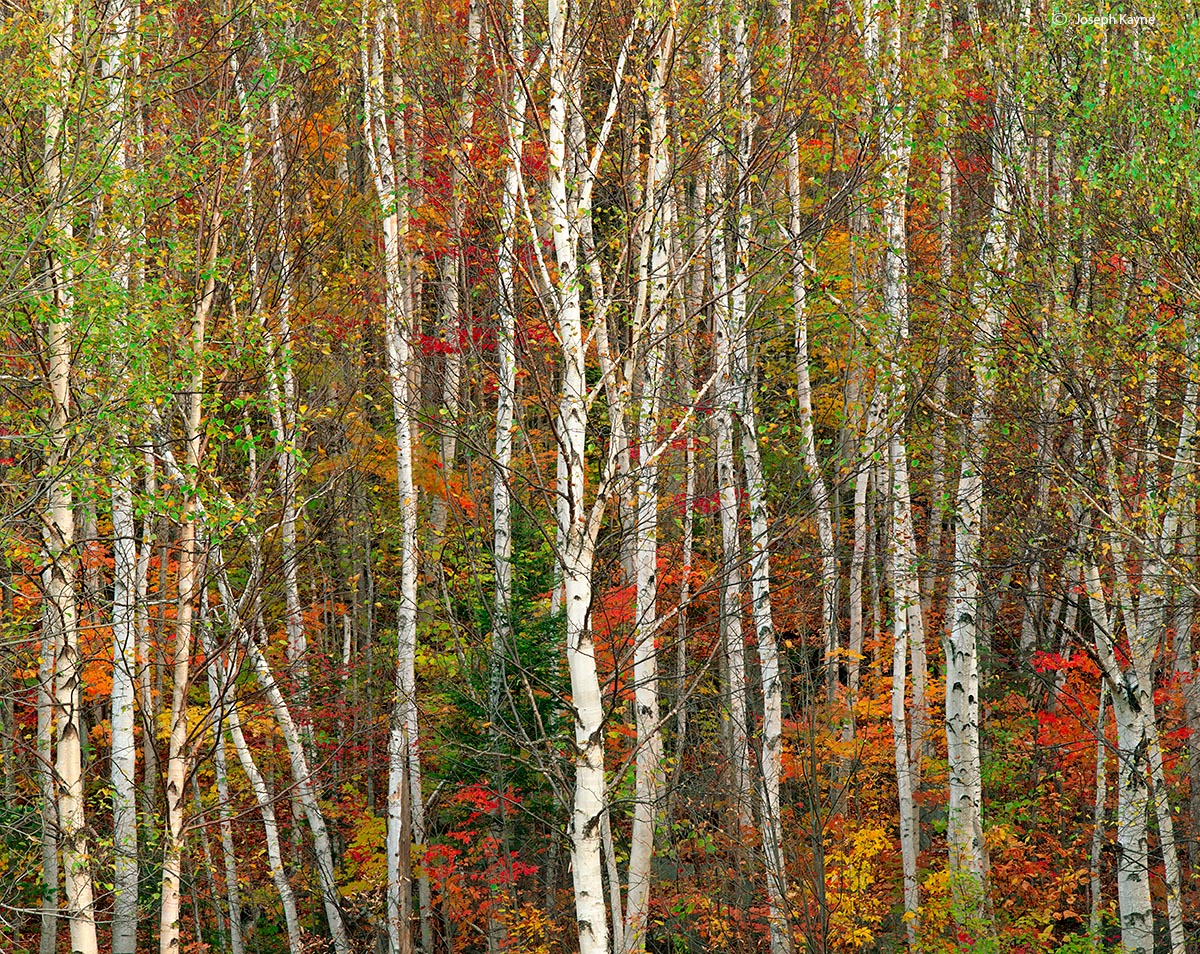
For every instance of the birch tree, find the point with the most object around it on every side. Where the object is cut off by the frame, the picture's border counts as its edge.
(997, 258)
(403, 746)
(58, 526)
(123, 760)
(179, 753)
(659, 209)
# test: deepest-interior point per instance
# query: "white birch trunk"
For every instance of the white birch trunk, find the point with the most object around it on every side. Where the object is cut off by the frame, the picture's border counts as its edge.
(906, 604)
(281, 387)
(576, 531)
(506, 398)
(266, 807)
(1133, 868)
(648, 778)
(905, 781)
(48, 943)
(145, 648)
(306, 793)
(771, 756)
(818, 487)
(964, 834)
(232, 892)
(58, 534)
(178, 754)
(123, 759)
(724, 407)
(123, 753)
(403, 747)
(1099, 814)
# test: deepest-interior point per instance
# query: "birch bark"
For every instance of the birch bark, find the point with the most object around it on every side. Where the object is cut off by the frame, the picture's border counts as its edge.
(506, 397)
(403, 745)
(965, 810)
(44, 752)
(178, 754)
(884, 41)
(659, 209)
(218, 695)
(123, 753)
(1133, 862)
(818, 487)
(58, 531)
(724, 407)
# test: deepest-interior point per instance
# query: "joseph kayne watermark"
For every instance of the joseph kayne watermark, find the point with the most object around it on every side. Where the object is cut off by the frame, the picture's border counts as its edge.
(1107, 19)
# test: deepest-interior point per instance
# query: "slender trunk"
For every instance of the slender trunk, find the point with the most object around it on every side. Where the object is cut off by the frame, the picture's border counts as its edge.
(902, 549)
(859, 550)
(945, 210)
(58, 573)
(146, 650)
(266, 806)
(404, 769)
(123, 760)
(506, 397)
(232, 893)
(281, 390)
(1185, 611)
(454, 319)
(47, 786)
(178, 754)
(724, 407)
(1133, 860)
(123, 754)
(613, 877)
(576, 527)
(306, 794)
(648, 778)
(818, 487)
(1099, 815)
(905, 781)
(685, 595)
(209, 872)
(965, 809)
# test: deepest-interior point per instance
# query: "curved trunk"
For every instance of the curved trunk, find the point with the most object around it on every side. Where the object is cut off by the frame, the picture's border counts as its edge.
(266, 807)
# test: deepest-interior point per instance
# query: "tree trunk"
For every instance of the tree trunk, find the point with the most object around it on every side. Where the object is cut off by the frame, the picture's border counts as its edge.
(58, 534)
(724, 407)
(965, 810)
(266, 807)
(123, 753)
(577, 528)
(123, 760)
(506, 398)
(1133, 859)
(146, 651)
(1099, 815)
(648, 777)
(281, 389)
(47, 785)
(772, 755)
(307, 796)
(403, 744)
(178, 754)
